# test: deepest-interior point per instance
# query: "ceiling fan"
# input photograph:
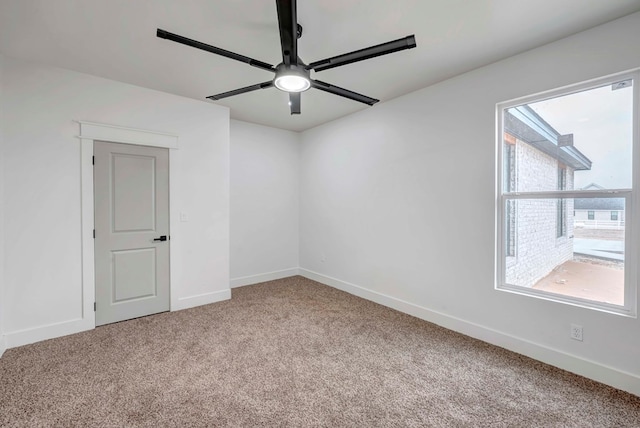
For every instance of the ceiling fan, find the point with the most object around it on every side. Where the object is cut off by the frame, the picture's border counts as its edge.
(292, 75)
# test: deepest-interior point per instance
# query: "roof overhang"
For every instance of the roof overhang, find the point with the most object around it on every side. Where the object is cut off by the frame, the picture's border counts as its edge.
(526, 125)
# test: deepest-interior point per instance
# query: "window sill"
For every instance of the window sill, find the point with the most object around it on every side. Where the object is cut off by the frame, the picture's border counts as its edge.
(568, 300)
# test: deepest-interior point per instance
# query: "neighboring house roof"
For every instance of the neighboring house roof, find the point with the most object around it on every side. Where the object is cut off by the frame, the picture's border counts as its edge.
(525, 124)
(594, 204)
(592, 186)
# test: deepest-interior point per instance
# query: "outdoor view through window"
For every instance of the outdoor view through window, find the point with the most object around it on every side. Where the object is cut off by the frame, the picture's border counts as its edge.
(566, 192)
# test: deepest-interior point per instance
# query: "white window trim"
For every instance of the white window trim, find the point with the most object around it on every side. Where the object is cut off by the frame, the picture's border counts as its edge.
(632, 203)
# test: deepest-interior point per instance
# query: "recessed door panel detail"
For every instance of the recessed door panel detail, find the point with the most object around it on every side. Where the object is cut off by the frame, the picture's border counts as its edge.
(131, 197)
(133, 192)
(134, 274)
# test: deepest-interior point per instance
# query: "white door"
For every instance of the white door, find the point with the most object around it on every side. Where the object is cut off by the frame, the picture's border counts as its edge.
(131, 191)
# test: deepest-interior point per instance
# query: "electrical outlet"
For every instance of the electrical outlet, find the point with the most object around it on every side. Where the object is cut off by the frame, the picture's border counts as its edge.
(322, 258)
(576, 332)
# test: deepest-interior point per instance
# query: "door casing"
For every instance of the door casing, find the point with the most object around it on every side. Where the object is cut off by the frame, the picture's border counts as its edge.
(90, 132)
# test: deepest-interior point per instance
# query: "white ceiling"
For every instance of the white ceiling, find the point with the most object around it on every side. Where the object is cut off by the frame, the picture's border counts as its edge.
(116, 39)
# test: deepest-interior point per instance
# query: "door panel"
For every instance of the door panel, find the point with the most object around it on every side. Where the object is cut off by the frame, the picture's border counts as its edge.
(133, 195)
(134, 274)
(131, 211)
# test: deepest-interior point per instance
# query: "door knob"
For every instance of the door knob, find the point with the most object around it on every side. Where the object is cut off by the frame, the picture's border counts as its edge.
(162, 238)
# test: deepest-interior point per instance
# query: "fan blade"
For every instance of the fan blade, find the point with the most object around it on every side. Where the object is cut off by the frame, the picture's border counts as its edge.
(366, 53)
(263, 85)
(288, 23)
(205, 47)
(294, 102)
(327, 87)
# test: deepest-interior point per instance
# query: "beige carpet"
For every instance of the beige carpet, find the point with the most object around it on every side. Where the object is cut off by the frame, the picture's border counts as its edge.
(293, 353)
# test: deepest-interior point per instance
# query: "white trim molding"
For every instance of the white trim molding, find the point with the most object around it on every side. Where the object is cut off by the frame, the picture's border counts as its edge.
(631, 240)
(592, 370)
(200, 299)
(87, 226)
(50, 331)
(119, 134)
(263, 277)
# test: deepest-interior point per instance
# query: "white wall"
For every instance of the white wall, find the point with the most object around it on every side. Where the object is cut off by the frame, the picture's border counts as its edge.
(398, 205)
(264, 203)
(42, 242)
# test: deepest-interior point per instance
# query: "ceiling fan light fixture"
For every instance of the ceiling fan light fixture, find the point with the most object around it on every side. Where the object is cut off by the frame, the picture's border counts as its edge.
(292, 78)
(292, 83)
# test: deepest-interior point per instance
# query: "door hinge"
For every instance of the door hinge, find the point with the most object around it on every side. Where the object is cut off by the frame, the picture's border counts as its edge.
(94, 306)
(94, 234)
(93, 160)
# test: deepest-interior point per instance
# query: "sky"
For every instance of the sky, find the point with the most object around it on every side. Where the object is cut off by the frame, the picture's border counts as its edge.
(601, 122)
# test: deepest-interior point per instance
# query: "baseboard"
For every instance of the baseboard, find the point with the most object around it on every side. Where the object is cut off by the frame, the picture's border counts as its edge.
(3, 344)
(50, 331)
(592, 370)
(200, 299)
(263, 277)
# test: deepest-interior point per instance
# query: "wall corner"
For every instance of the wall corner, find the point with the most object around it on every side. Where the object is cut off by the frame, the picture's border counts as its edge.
(3, 344)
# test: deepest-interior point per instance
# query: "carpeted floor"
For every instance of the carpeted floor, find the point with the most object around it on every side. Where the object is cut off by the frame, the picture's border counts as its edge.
(293, 353)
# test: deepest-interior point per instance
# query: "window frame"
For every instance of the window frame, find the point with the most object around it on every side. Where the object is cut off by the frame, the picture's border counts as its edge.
(511, 226)
(561, 215)
(631, 197)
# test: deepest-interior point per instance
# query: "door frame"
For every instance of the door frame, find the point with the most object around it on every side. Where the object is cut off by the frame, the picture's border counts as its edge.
(90, 132)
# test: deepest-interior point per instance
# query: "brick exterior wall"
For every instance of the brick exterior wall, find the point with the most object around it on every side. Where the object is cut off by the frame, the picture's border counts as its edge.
(538, 249)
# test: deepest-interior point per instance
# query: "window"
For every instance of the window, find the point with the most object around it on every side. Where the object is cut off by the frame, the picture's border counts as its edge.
(510, 176)
(561, 215)
(569, 150)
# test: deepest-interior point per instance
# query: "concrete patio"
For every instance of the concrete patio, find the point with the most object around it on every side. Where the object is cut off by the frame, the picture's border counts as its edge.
(601, 248)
